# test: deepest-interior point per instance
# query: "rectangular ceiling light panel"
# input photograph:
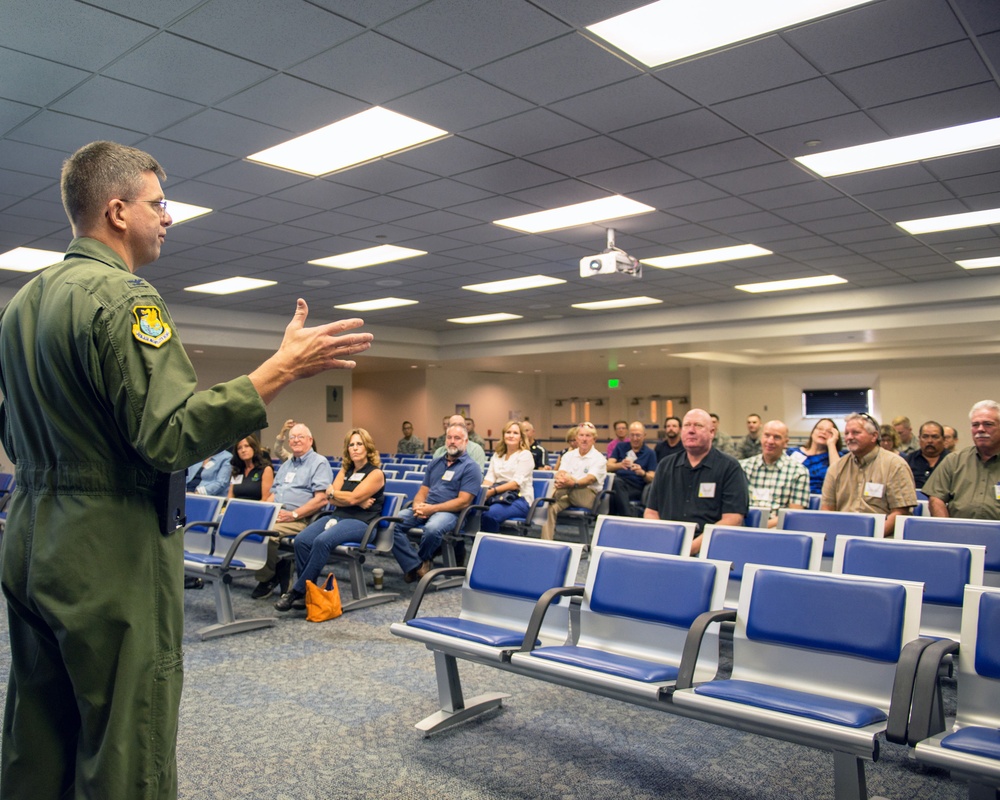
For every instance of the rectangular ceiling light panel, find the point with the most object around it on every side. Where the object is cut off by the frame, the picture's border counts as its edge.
(377, 305)
(514, 284)
(624, 302)
(229, 286)
(793, 283)
(478, 320)
(371, 134)
(952, 222)
(369, 256)
(706, 256)
(979, 263)
(613, 207)
(905, 149)
(28, 259)
(669, 30)
(182, 212)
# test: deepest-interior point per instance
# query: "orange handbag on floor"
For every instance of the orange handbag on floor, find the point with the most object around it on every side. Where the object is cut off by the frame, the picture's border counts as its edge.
(323, 602)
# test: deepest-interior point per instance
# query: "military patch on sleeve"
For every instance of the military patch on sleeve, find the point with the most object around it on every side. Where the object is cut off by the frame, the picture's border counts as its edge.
(148, 327)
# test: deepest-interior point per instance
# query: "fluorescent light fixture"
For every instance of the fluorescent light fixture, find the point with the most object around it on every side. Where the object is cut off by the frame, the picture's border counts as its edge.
(951, 222)
(613, 207)
(624, 302)
(182, 212)
(794, 283)
(371, 134)
(673, 29)
(484, 318)
(29, 259)
(905, 149)
(229, 286)
(370, 255)
(514, 284)
(377, 305)
(706, 256)
(979, 263)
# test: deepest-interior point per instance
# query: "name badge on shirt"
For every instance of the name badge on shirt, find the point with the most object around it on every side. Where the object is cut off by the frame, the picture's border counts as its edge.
(210, 463)
(237, 479)
(799, 457)
(996, 491)
(706, 490)
(761, 495)
(289, 477)
(448, 475)
(356, 477)
(874, 489)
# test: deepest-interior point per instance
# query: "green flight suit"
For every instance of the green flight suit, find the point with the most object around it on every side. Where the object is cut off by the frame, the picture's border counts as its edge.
(99, 399)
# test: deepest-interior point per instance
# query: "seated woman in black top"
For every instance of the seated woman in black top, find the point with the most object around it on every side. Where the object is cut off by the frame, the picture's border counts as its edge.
(356, 493)
(252, 471)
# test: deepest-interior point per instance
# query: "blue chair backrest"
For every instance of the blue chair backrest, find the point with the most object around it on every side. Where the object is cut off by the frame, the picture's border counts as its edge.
(753, 517)
(744, 545)
(668, 591)
(660, 537)
(943, 570)
(408, 489)
(832, 523)
(245, 515)
(509, 566)
(201, 508)
(987, 641)
(413, 475)
(815, 500)
(6, 481)
(958, 531)
(827, 613)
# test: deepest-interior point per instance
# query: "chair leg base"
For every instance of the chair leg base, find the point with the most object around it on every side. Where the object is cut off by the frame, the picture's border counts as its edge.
(442, 720)
(238, 626)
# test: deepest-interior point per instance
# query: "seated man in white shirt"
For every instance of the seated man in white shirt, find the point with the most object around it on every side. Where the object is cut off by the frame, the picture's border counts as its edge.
(579, 479)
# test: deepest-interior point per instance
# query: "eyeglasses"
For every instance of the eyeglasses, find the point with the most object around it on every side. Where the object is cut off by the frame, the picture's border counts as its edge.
(868, 417)
(296, 436)
(161, 203)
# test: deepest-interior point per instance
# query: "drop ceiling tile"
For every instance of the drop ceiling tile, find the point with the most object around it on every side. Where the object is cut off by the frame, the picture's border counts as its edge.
(883, 179)
(704, 161)
(789, 196)
(206, 194)
(634, 178)
(941, 110)
(187, 63)
(875, 32)
(11, 114)
(836, 207)
(678, 133)
(225, 133)
(458, 104)
(292, 104)
(941, 69)
(442, 193)
(786, 106)
(278, 40)
(321, 193)
(68, 134)
(510, 176)
(106, 100)
(831, 133)
(382, 176)
(623, 105)
(749, 224)
(757, 179)
(182, 160)
(530, 132)
(450, 156)
(35, 81)
(270, 209)
(392, 69)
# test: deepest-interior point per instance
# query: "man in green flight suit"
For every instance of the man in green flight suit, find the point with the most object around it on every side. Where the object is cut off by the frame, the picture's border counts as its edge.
(99, 403)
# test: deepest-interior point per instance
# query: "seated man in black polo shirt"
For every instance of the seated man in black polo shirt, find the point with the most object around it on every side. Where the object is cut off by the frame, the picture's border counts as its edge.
(925, 460)
(702, 484)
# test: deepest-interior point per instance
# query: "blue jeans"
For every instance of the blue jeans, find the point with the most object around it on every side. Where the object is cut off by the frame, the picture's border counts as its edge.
(434, 527)
(315, 542)
(498, 512)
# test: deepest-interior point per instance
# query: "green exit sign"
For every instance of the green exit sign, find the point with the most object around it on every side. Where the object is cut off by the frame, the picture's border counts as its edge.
(614, 383)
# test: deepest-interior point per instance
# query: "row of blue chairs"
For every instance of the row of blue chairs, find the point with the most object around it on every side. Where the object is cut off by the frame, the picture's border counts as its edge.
(831, 661)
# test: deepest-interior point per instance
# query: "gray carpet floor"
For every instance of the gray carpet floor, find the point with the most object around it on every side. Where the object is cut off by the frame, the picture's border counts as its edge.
(305, 711)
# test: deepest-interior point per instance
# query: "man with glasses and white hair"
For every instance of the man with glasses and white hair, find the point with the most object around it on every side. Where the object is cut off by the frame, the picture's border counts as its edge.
(967, 483)
(99, 406)
(579, 478)
(870, 479)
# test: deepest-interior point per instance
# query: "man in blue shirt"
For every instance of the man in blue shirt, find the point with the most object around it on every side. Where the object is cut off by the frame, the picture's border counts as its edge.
(300, 488)
(451, 484)
(212, 475)
(633, 465)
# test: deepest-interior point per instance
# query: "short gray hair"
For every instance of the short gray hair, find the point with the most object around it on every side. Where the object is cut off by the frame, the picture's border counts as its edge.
(867, 421)
(983, 405)
(99, 172)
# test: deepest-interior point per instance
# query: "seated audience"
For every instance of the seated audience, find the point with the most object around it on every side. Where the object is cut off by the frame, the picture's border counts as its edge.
(470, 426)
(210, 476)
(925, 460)
(538, 453)
(475, 452)
(451, 483)
(633, 464)
(571, 444)
(904, 431)
(300, 488)
(251, 472)
(823, 450)
(671, 442)
(967, 483)
(281, 450)
(509, 479)
(578, 478)
(888, 438)
(869, 479)
(774, 479)
(950, 439)
(356, 494)
(620, 429)
(701, 485)
(722, 441)
(409, 445)
(445, 422)
(750, 445)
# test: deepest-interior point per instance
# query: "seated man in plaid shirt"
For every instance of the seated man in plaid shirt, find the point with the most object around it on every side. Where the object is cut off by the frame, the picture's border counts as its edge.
(775, 481)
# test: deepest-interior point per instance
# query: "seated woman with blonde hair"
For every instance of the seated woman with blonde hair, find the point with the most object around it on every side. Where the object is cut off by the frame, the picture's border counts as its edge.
(356, 493)
(508, 479)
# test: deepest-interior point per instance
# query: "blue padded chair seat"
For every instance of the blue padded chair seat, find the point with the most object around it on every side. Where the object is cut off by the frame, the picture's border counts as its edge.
(975, 741)
(212, 561)
(609, 663)
(789, 701)
(470, 631)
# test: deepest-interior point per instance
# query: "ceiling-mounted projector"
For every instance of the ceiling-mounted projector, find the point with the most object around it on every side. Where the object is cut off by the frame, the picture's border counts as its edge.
(613, 260)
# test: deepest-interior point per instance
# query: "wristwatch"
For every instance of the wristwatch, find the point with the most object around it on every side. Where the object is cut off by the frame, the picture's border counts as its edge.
(295, 515)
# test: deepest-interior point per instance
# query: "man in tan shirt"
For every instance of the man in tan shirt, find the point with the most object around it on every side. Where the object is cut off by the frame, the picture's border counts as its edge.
(870, 479)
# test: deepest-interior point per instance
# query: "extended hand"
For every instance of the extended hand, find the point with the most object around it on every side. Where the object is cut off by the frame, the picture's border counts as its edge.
(314, 350)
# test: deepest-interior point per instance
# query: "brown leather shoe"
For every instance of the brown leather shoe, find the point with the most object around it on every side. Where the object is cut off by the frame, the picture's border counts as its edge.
(424, 568)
